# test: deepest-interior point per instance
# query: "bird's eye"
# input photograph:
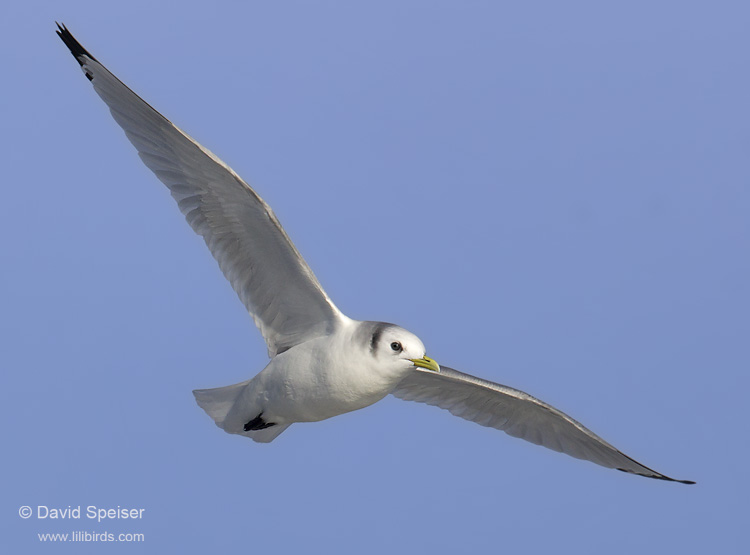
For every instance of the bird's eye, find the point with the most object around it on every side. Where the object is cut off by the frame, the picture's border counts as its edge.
(396, 346)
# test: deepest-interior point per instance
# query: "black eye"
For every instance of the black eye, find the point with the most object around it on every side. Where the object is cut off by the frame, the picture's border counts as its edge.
(396, 346)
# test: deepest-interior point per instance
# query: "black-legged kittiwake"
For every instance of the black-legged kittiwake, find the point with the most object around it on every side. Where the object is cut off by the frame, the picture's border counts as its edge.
(322, 363)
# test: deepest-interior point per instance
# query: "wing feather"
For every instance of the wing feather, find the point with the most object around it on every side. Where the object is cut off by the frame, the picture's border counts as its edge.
(517, 414)
(255, 254)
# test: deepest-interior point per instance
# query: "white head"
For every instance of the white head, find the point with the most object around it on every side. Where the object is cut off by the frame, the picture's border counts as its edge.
(393, 346)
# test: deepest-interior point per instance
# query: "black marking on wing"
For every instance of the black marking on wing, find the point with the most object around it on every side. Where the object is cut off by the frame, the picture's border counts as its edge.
(76, 48)
(659, 477)
(258, 423)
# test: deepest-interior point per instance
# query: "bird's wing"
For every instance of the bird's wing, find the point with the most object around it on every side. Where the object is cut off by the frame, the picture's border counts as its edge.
(517, 414)
(255, 254)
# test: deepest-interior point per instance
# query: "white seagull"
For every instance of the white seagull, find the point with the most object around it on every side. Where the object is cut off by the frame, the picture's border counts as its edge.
(322, 363)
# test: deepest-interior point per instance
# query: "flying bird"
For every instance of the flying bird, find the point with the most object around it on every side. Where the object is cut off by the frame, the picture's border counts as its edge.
(323, 363)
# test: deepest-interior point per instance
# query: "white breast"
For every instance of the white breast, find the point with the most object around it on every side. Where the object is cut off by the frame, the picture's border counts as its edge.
(318, 379)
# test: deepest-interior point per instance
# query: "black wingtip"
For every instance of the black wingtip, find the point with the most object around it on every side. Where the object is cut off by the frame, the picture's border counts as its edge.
(75, 47)
(659, 477)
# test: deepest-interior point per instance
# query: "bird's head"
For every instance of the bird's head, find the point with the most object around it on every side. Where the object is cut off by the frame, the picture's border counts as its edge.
(399, 349)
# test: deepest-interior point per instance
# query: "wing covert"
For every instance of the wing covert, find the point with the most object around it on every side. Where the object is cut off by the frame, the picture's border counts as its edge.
(517, 414)
(255, 254)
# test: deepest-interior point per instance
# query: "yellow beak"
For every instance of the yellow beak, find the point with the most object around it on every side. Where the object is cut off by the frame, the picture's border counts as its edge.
(426, 362)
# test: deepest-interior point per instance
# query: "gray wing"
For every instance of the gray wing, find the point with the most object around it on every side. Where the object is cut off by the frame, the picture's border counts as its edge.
(517, 414)
(255, 254)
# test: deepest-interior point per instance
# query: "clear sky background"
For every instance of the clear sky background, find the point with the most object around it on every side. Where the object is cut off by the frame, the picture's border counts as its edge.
(552, 195)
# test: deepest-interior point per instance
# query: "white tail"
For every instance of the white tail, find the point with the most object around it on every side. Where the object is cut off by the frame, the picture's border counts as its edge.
(219, 401)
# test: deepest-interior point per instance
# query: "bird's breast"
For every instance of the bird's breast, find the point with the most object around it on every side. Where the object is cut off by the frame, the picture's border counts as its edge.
(309, 383)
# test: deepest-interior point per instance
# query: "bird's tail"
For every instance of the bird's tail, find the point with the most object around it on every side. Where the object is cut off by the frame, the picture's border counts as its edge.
(219, 401)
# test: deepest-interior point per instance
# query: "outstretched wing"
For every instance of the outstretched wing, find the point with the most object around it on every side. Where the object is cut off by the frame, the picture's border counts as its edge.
(255, 254)
(517, 414)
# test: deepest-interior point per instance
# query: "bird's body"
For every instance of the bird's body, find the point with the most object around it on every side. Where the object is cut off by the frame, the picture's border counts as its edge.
(318, 379)
(323, 363)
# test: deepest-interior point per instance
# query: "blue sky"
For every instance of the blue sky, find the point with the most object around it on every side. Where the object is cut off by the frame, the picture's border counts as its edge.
(553, 196)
